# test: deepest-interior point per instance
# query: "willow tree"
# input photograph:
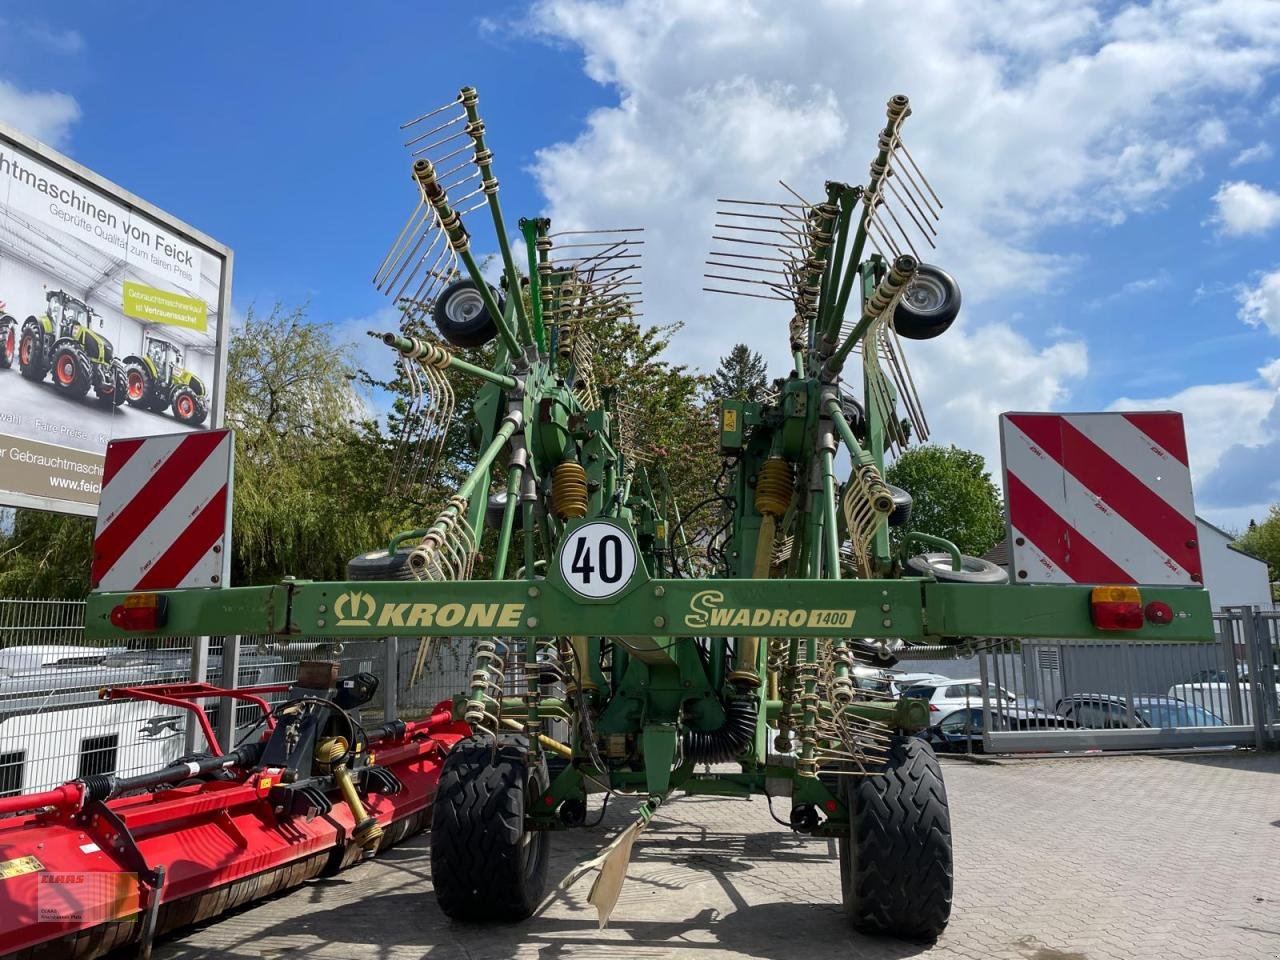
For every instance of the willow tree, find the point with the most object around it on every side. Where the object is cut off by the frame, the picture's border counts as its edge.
(311, 464)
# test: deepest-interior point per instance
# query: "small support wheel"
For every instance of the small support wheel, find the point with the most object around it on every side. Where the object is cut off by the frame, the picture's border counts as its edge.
(381, 565)
(929, 305)
(461, 316)
(895, 865)
(972, 569)
(485, 862)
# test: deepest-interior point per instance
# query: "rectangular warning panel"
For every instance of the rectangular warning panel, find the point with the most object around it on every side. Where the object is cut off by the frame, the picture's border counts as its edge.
(165, 512)
(1099, 498)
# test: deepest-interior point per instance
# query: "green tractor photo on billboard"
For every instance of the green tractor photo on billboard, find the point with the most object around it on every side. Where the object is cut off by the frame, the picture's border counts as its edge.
(157, 381)
(63, 341)
(8, 338)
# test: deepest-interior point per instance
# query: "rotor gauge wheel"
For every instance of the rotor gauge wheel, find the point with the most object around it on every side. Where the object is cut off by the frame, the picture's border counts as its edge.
(929, 305)
(486, 864)
(461, 316)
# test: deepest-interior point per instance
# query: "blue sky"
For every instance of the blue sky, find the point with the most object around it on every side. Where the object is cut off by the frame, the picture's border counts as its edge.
(1111, 173)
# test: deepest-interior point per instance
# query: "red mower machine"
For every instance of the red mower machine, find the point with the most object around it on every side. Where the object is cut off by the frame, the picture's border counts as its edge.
(105, 861)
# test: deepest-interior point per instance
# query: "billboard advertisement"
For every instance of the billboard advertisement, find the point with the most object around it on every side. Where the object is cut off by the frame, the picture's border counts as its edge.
(113, 323)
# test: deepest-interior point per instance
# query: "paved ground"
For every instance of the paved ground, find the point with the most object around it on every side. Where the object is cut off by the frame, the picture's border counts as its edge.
(1126, 858)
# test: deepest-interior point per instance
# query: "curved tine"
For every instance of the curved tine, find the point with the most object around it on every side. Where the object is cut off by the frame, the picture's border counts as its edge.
(425, 646)
(924, 222)
(912, 160)
(405, 231)
(905, 236)
(445, 254)
(439, 143)
(428, 441)
(431, 113)
(436, 274)
(436, 129)
(405, 254)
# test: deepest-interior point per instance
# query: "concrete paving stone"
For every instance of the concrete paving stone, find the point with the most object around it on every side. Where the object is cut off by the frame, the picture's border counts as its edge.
(1124, 858)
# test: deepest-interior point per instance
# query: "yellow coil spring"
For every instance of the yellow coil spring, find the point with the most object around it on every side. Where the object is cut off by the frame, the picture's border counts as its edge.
(569, 490)
(774, 487)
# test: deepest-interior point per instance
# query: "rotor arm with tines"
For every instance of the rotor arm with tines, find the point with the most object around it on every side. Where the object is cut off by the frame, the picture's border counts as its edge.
(424, 175)
(877, 306)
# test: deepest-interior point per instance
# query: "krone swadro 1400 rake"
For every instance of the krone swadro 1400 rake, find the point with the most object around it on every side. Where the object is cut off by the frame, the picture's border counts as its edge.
(602, 664)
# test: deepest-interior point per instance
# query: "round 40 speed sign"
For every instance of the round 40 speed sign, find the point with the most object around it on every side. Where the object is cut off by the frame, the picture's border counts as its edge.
(597, 560)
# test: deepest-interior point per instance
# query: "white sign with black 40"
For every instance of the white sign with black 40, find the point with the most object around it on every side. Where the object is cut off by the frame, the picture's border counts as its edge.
(597, 560)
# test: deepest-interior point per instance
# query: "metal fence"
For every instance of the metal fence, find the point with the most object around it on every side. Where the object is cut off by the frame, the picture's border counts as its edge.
(1079, 695)
(54, 726)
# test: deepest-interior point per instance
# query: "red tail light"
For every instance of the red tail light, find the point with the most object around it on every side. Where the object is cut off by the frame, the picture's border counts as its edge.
(140, 611)
(933, 708)
(1116, 608)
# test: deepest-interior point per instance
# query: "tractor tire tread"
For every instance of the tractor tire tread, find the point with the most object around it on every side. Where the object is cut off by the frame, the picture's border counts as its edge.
(38, 368)
(476, 827)
(78, 387)
(898, 874)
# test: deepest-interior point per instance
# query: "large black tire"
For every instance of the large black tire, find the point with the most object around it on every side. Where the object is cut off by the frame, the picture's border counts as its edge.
(109, 386)
(188, 408)
(157, 401)
(138, 384)
(461, 316)
(381, 565)
(71, 371)
(32, 362)
(485, 865)
(122, 386)
(895, 866)
(928, 306)
(8, 341)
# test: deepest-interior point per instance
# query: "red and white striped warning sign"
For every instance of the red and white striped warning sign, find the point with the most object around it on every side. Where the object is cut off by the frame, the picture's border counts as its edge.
(164, 515)
(1099, 498)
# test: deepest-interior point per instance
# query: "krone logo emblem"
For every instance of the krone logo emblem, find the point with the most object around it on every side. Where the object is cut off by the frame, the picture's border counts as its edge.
(349, 606)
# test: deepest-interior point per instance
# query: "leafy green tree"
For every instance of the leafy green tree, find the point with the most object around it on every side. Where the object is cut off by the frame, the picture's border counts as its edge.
(669, 425)
(46, 555)
(311, 463)
(953, 496)
(1263, 541)
(741, 375)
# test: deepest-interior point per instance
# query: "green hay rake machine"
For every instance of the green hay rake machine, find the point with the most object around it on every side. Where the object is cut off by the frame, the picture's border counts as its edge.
(609, 658)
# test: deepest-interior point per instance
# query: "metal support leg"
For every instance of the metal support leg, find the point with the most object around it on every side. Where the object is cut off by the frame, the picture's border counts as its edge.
(199, 674)
(230, 680)
(1257, 703)
(391, 678)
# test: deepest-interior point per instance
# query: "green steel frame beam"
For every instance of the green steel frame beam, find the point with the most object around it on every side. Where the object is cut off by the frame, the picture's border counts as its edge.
(913, 609)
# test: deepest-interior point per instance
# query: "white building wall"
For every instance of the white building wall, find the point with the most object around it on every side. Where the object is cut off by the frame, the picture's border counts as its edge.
(1231, 577)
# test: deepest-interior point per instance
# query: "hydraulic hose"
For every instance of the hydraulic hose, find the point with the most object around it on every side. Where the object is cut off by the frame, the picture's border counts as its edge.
(723, 745)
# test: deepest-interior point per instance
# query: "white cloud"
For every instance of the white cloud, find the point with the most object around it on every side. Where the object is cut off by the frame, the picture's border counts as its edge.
(1212, 133)
(1157, 281)
(1244, 208)
(46, 115)
(1259, 152)
(1220, 417)
(1260, 305)
(1026, 116)
(970, 376)
(65, 42)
